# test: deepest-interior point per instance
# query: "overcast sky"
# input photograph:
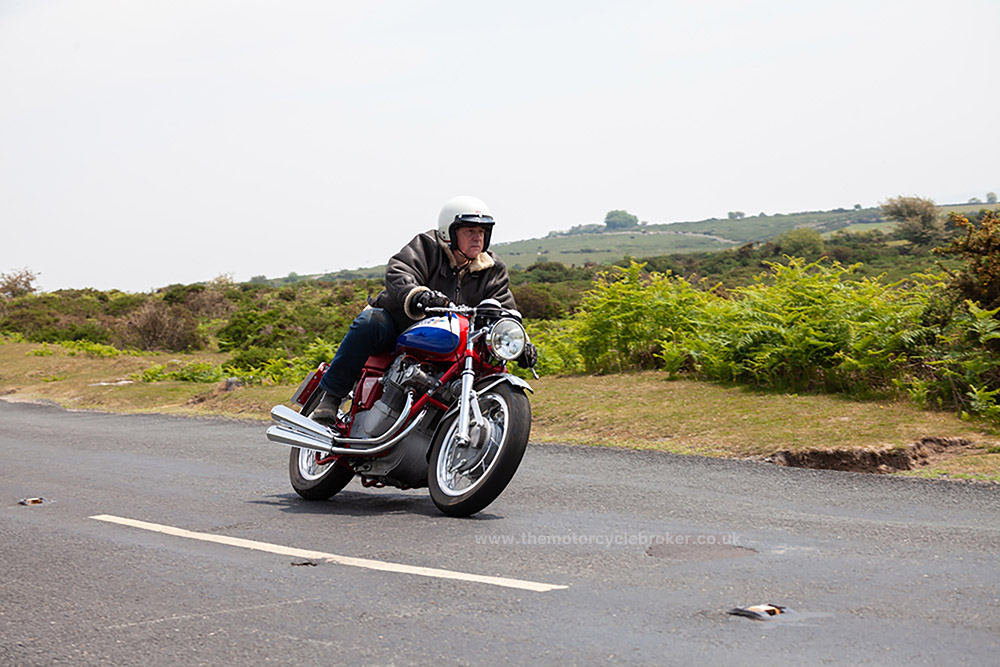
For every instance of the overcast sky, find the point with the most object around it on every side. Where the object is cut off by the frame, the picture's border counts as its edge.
(150, 142)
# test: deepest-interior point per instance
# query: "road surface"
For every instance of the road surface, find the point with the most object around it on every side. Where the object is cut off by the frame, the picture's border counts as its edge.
(170, 541)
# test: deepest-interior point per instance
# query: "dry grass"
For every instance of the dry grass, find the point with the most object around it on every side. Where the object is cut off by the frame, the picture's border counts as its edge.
(82, 382)
(645, 410)
(641, 410)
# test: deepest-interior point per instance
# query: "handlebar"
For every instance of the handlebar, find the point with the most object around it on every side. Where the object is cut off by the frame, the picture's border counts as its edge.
(472, 311)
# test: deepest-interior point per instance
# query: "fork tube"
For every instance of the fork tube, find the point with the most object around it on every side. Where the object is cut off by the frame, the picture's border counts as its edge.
(464, 407)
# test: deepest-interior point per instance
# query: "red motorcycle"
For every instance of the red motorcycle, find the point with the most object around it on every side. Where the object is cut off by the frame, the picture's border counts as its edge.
(440, 411)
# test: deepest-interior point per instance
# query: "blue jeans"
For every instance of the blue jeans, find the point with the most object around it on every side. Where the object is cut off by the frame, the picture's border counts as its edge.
(372, 332)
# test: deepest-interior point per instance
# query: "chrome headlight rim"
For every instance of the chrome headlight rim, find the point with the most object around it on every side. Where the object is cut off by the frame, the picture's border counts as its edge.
(507, 339)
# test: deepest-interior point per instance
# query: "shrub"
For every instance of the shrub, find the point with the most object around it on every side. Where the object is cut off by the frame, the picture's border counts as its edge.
(17, 283)
(811, 328)
(536, 302)
(199, 371)
(121, 303)
(558, 352)
(159, 326)
(806, 327)
(917, 220)
(979, 247)
(627, 315)
(254, 357)
(90, 348)
(801, 242)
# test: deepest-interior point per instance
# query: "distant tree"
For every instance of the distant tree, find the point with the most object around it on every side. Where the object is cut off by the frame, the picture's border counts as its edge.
(737, 215)
(991, 197)
(259, 280)
(975, 200)
(222, 281)
(618, 219)
(800, 242)
(857, 207)
(917, 220)
(17, 283)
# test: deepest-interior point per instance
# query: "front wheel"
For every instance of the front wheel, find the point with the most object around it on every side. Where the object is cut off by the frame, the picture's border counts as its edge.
(465, 478)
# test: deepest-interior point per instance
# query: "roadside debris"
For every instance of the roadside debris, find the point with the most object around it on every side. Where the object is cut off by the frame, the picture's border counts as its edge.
(760, 612)
(33, 501)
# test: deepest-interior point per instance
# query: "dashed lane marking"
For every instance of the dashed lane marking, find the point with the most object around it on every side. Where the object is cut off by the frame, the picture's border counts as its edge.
(332, 558)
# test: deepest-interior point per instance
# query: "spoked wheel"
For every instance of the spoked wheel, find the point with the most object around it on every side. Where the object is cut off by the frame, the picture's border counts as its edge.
(465, 478)
(315, 481)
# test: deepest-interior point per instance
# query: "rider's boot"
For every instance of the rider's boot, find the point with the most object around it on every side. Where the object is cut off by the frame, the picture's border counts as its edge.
(326, 410)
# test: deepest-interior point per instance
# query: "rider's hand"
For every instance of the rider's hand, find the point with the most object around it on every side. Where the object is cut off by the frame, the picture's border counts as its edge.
(430, 299)
(529, 357)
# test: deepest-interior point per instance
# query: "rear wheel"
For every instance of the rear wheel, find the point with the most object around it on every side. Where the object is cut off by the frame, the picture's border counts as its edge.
(465, 478)
(311, 480)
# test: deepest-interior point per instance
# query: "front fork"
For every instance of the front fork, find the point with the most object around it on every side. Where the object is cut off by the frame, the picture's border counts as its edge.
(469, 414)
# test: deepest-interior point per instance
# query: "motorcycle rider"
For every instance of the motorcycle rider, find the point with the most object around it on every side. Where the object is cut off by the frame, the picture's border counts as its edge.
(451, 264)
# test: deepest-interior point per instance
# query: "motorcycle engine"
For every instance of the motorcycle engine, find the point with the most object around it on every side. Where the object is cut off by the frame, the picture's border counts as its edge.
(406, 463)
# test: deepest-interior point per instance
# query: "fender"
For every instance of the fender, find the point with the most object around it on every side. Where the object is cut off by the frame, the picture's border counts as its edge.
(486, 383)
(491, 381)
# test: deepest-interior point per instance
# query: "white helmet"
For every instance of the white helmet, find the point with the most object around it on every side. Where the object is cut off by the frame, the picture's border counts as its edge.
(464, 211)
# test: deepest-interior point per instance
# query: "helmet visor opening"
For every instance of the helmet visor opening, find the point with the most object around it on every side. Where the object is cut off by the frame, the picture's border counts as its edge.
(472, 219)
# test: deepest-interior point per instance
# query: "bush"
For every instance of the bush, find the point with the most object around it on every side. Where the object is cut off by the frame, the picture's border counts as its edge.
(811, 328)
(801, 327)
(979, 278)
(536, 302)
(17, 283)
(627, 315)
(254, 357)
(159, 326)
(199, 371)
(558, 352)
(121, 303)
(90, 349)
(801, 242)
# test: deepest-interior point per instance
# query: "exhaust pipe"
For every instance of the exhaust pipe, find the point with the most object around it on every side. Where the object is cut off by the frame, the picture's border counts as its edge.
(286, 436)
(295, 430)
(293, 420)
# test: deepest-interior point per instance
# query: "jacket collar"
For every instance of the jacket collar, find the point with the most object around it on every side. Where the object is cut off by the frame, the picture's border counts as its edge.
(482, 261)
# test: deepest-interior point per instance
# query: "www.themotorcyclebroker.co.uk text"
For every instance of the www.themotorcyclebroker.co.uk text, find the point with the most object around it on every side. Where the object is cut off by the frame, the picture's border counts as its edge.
(608, 540)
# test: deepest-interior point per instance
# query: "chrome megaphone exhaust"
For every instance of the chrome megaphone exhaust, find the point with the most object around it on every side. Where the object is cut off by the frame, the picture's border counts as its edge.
(295, 430)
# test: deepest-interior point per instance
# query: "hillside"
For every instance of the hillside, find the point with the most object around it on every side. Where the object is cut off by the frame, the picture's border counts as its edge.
(580, 246)
(649, 240)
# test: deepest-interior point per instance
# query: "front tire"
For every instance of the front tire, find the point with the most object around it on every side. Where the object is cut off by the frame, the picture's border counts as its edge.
(464, 480)
(312, 481)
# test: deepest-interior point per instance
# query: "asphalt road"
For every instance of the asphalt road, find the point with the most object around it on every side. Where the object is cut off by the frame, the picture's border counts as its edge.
(647, 553)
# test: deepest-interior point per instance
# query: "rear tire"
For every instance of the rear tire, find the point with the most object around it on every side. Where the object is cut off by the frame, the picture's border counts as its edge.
(312, 481)
(464, 480)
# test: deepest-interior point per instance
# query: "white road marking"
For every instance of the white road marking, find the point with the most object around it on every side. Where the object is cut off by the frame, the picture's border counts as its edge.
(331, 558)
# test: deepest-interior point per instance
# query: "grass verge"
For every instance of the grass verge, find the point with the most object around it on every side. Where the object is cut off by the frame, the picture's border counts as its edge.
(640, 410)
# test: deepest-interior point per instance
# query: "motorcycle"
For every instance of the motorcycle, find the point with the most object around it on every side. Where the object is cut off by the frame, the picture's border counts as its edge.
(440, 411)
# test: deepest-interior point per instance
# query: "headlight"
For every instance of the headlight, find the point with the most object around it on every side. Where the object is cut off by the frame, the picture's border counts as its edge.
(506, 339)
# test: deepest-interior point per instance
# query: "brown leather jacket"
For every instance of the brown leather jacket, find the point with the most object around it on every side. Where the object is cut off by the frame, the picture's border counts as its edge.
(425, 263)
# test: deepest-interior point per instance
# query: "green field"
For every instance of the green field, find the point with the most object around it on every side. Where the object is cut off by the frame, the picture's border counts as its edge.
(603, 248)
(651, 240)
(965, 208)
(674, 238)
